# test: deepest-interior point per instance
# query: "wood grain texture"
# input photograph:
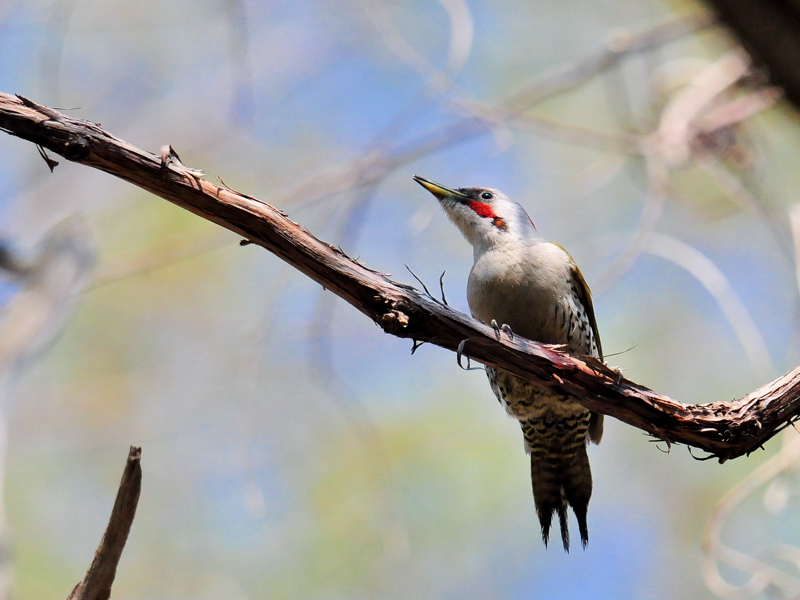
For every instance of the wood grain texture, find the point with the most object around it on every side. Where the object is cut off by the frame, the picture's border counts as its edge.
(96, 584)
(724, 429)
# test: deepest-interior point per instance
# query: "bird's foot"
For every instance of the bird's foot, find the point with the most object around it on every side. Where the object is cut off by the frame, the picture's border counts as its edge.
(504, 328)
(460, 352)
(460, 355)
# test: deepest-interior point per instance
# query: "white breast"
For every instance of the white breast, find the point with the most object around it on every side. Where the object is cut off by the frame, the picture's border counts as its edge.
(527, 288)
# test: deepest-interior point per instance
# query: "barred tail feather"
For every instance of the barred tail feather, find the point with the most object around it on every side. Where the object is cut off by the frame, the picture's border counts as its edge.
(560, 479)
(577, 485)
(547, 497)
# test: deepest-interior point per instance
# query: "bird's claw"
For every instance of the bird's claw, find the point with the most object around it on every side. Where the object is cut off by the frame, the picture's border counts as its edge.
(460, 352)
(505, 328)
(496, 328)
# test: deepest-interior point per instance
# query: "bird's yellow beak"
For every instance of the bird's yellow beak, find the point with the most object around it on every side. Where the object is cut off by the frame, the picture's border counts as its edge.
(437, 190)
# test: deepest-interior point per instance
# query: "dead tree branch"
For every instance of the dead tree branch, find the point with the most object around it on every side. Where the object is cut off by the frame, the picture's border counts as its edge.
(770, 31)
(97, 582)
(724, 429)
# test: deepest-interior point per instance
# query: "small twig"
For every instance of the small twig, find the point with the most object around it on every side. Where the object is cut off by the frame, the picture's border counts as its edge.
(657, 184)
(97, 582)
(422, 283)
(441, 287)
(736, 189)
(720, 288)
(628, 349)
(664, 451)
(700, 458)
(51, 164)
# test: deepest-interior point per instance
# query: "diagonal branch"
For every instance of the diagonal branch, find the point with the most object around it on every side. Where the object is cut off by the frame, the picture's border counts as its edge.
(96, 584)
(725, 429)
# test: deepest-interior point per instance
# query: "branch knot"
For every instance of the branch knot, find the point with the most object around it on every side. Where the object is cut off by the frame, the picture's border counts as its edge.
(394, 320)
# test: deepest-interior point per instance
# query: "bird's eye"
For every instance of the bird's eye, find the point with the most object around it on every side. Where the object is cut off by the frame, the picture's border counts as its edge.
(486, 195)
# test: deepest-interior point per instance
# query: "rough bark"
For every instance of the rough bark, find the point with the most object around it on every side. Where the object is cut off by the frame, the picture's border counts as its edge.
(96, 584)
(724, 429)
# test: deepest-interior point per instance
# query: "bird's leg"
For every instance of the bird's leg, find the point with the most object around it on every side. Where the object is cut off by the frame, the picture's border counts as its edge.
(496, 328)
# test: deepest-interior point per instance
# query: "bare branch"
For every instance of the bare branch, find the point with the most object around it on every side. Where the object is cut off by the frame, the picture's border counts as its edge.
(378, 164)
(709, 275)
(97, 582)
(657, 187)
(761, 574)
(677, 123)
(726, 430)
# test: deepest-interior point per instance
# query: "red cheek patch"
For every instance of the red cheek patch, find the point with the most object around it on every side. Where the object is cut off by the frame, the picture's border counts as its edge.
(482, 210)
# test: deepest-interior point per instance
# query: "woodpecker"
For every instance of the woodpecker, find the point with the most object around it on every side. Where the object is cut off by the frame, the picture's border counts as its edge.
(523, 284)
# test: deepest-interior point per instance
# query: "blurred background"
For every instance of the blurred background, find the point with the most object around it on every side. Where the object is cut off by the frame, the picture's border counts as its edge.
(290, 448)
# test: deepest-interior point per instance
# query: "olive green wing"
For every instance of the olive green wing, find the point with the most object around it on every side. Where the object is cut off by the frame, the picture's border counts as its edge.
(585, 297)
(595, 431)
